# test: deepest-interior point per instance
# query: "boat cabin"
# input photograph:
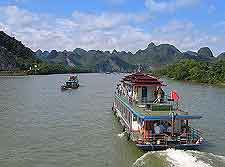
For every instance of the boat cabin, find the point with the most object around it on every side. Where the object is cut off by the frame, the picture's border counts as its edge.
(141, 88)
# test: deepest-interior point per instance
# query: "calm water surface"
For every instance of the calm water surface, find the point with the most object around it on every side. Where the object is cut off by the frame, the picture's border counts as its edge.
(42, 126)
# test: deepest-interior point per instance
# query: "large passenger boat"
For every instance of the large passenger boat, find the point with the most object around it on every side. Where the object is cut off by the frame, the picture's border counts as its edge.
(152, 119)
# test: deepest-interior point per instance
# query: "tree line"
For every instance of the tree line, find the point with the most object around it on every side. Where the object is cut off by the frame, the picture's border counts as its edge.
(190, 70)
(45, 68)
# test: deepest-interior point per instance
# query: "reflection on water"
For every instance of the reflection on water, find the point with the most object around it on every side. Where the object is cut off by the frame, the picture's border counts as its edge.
(42, 126)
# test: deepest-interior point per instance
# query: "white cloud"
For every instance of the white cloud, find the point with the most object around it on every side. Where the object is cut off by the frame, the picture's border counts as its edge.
(186, 36)
(85, 30)
(105, 31)
(169, 5)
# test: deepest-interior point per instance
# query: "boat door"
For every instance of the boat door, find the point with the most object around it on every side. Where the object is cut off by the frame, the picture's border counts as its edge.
(144, 93)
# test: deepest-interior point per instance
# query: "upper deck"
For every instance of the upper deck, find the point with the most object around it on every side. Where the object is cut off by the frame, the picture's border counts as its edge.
(139, 92)
(150, 109)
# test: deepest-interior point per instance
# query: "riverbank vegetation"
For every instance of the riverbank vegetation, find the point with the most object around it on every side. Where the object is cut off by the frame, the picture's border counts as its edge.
(191, 70)
(45, 69)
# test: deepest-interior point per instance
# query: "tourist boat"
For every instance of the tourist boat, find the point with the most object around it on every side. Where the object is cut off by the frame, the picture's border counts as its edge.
(72, 83)
(152, 119)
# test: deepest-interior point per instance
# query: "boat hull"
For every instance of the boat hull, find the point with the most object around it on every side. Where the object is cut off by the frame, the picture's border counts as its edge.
(151, 147)
(68, 88)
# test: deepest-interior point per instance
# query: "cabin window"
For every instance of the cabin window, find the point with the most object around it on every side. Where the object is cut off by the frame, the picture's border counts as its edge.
(134, 118)
(144, 92)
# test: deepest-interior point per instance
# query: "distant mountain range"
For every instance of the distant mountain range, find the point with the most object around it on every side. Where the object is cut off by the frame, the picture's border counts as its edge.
(14, 54)
(153, 56)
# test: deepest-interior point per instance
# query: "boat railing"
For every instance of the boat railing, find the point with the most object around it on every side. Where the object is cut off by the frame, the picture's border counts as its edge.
(165, 99)
(146, 103)
(195, 133)
(154, 139)
(149, 100)
(190, 137)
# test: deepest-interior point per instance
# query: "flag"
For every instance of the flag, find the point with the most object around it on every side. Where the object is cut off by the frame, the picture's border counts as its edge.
(174, 96)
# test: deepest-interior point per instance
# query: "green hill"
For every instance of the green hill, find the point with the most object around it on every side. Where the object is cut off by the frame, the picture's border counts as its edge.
(14, 54)
(191, 70)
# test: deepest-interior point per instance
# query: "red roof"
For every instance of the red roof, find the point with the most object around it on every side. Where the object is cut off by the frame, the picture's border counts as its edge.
(142, 79)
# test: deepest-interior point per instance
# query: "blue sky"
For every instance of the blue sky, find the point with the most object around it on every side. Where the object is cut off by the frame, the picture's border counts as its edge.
(115, 24)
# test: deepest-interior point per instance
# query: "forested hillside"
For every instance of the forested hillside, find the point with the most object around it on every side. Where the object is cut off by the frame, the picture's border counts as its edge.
(191, 70)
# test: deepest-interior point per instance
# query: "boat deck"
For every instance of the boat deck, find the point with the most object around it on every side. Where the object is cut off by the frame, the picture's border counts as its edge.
(143, 110)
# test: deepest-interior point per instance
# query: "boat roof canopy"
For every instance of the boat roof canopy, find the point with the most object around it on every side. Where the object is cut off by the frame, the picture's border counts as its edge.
(141, 79)
(177, 117)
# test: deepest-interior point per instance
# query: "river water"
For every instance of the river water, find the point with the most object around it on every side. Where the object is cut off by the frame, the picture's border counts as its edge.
(41, 126)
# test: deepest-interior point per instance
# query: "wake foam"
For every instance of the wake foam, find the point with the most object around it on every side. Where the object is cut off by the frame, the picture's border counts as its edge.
(121, 134)
(141, 161)
(180, 158)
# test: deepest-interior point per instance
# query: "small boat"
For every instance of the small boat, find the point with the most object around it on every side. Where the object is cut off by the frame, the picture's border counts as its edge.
(152, 119)
(72, 83)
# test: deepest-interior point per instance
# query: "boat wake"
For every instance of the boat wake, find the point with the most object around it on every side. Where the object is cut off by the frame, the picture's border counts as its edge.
(180, 158)
(140, 162)
(121, 134)
(220, 157)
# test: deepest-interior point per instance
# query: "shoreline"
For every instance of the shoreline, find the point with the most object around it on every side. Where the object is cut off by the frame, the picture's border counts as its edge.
(222, 84)
(21, 73)
(12, 73)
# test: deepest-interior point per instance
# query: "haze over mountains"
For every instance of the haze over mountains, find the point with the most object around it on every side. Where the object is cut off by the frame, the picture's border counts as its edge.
(13, 54)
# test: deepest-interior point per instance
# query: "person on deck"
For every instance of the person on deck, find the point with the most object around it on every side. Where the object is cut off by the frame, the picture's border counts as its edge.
(162, 128)
(157, 129)
(159, 95)
(184, 132)
(130, 96)
(169, 129)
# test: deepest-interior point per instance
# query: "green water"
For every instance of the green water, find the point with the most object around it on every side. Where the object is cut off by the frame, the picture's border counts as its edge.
(42, 126)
